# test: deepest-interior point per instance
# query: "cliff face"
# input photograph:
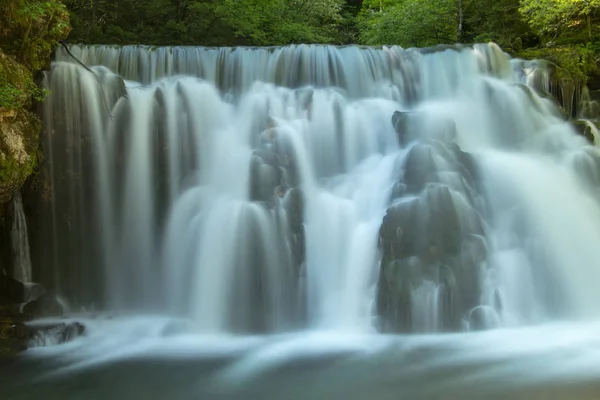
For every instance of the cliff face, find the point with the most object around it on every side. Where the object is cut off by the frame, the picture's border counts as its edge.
(29, 33)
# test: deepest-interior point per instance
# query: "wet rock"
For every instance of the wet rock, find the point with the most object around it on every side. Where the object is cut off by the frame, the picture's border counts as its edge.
(13, 333)
(398, 190)
(396, 235)
(431, 222)
(400, 124)
(11, 290)
(54, 334)
(584, 129)
(294, 208)
(265, 175)
(46, 305)
(449, 298)
(435, 237)
(419, 168)
(483, 317)
(394, 296)
(19, 132)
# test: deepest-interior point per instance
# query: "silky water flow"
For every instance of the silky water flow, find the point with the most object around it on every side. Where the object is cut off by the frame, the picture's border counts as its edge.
(255, 208)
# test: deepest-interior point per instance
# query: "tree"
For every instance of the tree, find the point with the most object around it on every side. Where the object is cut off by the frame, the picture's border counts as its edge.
(562, 19)
(500, 22)
(206, 22)
(410, 22)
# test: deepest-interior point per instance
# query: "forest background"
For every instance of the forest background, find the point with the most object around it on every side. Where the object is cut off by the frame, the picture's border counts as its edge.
(566, 32)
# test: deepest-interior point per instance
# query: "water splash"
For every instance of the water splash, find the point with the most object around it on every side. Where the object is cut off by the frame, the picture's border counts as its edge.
(20, 242)
(269, 189)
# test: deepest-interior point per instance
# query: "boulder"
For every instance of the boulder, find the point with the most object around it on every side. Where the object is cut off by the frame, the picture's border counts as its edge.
(47, 305)
(11, 290)
(584, 128)
(13, 333)
(419, 168)
(483, 317)
(19, 131)
(400, 124)
(53, 333)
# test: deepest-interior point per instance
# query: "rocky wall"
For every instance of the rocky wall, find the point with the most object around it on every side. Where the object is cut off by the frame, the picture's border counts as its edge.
(29, 33)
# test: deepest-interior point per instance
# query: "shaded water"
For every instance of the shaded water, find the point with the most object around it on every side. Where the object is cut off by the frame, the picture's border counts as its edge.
(20, 242)
(153, 358)
(292, 204)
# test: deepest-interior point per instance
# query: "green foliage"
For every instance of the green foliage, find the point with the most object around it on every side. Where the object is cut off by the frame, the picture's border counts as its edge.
(409, 22)
(562, 20)
(207, 22)
(31, 29)
(574, 63)
(499, 22)
(29, 33)
(16, 84)
(18, 157)
(570, 34)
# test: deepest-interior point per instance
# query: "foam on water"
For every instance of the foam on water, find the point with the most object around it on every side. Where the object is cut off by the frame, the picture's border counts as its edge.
(270, 190)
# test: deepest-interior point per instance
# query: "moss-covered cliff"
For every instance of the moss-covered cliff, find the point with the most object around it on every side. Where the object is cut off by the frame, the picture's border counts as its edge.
(29, 32)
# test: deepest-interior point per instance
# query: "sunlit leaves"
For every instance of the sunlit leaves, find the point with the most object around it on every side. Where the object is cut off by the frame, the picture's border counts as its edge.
(551, 18)
(409, 22)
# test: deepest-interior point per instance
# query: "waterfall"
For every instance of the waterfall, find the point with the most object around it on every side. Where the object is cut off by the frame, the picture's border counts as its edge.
(20, 242)
(316, 187)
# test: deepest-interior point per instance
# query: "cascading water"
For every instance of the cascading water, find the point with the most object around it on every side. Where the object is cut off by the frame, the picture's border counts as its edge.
(272, 189)
(319, 196)
(20, 242)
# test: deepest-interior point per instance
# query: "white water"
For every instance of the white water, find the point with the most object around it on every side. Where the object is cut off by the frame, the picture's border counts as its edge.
(156, 357)
(20, 242)
(250, 202)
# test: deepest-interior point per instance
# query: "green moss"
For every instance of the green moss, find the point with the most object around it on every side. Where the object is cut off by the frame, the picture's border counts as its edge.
(29, 33)
(18, 150)
(574, 63)
(13, 332)
(16, 84)
(31, 29)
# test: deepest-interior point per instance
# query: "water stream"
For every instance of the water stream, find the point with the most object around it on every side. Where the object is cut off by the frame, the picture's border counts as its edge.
(20, 242)
(250, 209)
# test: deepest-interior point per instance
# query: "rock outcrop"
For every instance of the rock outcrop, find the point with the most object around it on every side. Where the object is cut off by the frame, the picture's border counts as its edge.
(19, 132)
(29, 33)
(432, 237)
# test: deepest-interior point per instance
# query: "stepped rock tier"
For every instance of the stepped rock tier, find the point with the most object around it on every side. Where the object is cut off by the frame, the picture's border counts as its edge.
(263, 190)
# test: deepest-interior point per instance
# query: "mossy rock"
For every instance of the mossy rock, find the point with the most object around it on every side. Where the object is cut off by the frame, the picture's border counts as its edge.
(584, 129)
(16, 85)
(13, 332)
(31, 30)
(572, 63)
(19, 132)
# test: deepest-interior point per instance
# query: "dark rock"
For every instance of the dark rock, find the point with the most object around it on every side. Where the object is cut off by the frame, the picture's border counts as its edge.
(294, 208)
(483, 317)
(400, 124)
(11, 290)
(584, 129)
(419, 168)
(436, 237)
(399, 190)
(54, 334)
(394, 295)
(46, 305)
(395, 235)
(264, 179)
(13, 333)
(449, 298)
